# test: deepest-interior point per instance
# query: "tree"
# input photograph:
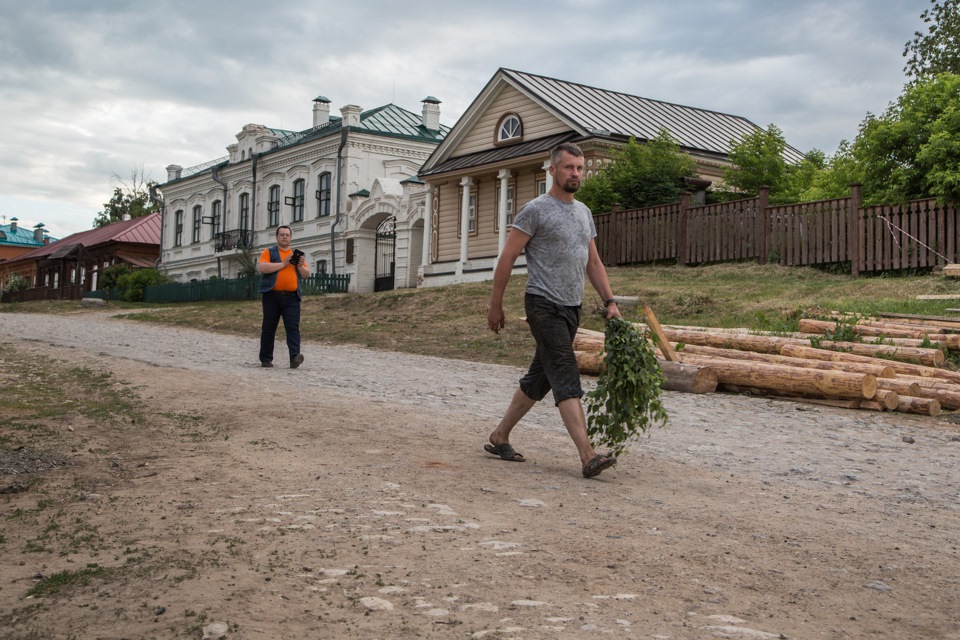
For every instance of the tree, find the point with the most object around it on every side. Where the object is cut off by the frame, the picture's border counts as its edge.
(939, 50)
(757, 162)
(833, 181)
(129, 199)
(640, 175)
(913, 149)
(135, 283)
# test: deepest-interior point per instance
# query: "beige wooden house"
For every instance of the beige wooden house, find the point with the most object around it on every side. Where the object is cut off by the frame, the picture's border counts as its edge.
(496, 156)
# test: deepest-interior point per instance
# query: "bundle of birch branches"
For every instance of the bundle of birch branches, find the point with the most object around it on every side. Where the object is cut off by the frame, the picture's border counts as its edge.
(893, 362)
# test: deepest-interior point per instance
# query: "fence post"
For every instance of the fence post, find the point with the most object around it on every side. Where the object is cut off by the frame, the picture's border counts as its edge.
(763, 225)
(854, 238)
(683, 246)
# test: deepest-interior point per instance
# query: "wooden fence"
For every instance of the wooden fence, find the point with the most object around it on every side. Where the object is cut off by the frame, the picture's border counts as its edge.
(917, 234)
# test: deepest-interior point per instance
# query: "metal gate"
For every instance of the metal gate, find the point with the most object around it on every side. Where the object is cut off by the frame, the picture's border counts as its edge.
(384, 262)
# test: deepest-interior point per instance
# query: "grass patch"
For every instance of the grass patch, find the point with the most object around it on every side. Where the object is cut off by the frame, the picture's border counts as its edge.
(58, 582)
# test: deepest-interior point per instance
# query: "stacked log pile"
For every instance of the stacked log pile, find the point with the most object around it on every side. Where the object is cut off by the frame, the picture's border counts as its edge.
(898, 365)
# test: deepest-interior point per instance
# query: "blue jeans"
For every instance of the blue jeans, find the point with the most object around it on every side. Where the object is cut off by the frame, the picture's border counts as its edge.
(554, 365)
(277, 305)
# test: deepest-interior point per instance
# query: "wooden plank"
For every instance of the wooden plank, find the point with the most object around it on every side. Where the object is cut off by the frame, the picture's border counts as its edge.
(945, 296)
(665, 347)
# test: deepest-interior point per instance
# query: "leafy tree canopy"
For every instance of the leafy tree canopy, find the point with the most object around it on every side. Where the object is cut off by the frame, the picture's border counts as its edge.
(913, 149)
(938, 50)
(641, 175)
(757, 162)
(129, 198)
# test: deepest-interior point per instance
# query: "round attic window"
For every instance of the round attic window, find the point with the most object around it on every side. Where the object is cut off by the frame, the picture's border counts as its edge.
(510, 128)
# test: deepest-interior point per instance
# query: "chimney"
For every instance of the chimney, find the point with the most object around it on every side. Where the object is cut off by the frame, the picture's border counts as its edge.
(38, 232)
(351, 115)
(321, 111)
(431, 113)
(13, 224)
(174, 172)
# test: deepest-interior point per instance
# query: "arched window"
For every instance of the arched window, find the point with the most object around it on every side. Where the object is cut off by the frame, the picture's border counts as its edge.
(177, 229)
(298, 187)
(323, 194)
(273, 207)
(510, 128)
(197, 222)
(217, 211)
(244, 211)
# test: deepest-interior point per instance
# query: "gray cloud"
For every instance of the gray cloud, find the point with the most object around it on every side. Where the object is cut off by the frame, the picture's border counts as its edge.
(92, 89)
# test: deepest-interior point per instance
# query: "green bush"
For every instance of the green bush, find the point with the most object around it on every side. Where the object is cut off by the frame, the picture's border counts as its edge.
(15, 282)
(133, 284)
(110, 277)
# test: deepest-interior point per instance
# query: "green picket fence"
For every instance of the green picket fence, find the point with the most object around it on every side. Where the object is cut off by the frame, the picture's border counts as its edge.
(246, 288)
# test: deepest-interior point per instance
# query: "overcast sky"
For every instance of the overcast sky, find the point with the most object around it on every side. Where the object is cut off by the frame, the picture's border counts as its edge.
(92, 89)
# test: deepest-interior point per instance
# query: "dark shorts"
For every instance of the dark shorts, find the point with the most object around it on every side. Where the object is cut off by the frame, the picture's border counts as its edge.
(554, 365)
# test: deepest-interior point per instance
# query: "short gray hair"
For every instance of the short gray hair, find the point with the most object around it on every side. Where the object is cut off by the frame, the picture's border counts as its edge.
(567, 147)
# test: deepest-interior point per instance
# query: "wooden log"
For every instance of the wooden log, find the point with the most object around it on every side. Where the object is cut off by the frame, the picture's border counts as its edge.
(888, 398)
(587, 340)
(927, 357)
(759, 344)
(949, 399)
(907, 368)
(810, 325)
(899, 385)
(877, 369)
(662, 342)
(678, 376)
(922, 406)
(872, 405)
(929, 382)
(946, 321)
(790, 380)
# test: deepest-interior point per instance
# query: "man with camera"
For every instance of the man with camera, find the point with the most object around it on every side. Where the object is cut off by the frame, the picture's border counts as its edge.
(281, 269)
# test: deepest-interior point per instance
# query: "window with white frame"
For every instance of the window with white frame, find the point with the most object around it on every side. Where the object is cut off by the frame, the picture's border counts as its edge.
(323, 194)
(298, 189)
(197, 223)
(510, 205)
(273, 207)
(510, 128)
(472, 213)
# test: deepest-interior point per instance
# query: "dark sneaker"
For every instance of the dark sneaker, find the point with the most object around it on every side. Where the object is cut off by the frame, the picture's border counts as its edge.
(296, 361)
(263, 363)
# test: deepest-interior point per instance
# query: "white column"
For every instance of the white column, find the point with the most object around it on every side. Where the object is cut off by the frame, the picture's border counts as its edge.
(466, 183)
(427, 226)
(504, 176)
(546, 167)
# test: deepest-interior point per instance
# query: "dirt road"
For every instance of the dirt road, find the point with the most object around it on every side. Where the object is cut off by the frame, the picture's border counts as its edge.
(351, 498)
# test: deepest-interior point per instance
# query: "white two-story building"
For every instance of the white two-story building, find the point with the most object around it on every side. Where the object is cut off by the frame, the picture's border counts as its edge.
(347, 187)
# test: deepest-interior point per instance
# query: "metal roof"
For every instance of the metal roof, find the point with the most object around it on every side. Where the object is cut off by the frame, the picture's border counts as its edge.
(500, 154)
(610, 113)
(389, 120)
(142, 230)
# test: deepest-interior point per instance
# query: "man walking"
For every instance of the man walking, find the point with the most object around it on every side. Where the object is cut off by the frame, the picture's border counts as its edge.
(557, 232)
(281, 269)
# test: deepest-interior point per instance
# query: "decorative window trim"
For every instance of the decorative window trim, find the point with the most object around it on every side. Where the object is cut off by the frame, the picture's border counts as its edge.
(509, 129)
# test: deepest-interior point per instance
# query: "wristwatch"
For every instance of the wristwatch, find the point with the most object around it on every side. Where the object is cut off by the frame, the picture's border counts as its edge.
(609, 302)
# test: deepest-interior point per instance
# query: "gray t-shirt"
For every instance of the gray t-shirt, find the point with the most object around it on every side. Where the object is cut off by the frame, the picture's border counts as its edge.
(560, 234)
